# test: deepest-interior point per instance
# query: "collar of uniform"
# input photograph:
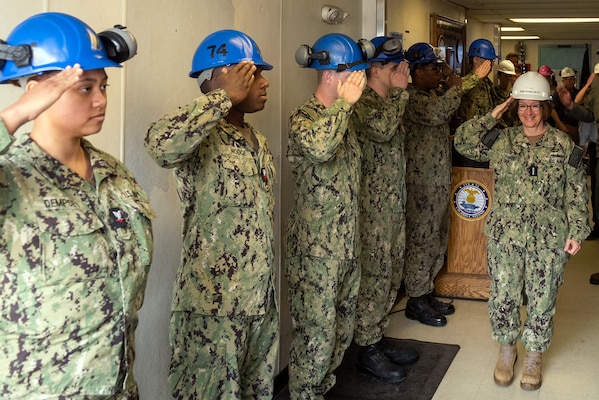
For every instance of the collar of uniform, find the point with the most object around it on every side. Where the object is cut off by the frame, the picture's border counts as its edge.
(62, 176)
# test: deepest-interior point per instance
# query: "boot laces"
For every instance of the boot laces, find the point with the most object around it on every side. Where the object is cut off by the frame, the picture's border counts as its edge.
(531, 361)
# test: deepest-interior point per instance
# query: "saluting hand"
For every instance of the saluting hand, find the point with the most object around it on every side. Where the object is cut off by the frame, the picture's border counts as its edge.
(483, 69)
(399, 77)
(38, 97)
(565, 97)
(498, 111)
(352, 88)
(235, 80)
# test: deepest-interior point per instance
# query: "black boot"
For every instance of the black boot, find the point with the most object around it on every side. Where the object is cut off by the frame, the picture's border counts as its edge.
(439, 306)
(398, 354)
(419, 309)
(372, 359)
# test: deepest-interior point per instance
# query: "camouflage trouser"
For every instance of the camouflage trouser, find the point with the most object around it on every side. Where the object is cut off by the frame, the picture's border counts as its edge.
(216, 358)
(322, 300)
(427, 233)
(540, 273)
(381, 267)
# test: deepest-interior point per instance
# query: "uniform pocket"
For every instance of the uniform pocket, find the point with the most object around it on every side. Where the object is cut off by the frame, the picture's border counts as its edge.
(239, 169)
(72, 246)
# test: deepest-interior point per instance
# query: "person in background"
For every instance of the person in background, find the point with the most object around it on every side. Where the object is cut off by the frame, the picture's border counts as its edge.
(428, 175)
(323, 247)
(547, 73)
(482, 97)
(377, 120)
(588, 95)
(224, 329)
(515, 59)
(560, 120)
(76, 242)
(537, 221)
(506, 75)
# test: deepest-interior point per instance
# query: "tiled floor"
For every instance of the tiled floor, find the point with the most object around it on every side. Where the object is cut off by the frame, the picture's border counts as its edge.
(571, 366)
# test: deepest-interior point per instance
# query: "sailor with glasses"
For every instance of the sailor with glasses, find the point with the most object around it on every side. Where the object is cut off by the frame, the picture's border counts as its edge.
(538, 219)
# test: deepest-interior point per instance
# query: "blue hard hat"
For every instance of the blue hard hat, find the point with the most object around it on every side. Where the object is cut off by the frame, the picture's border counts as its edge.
(55, 41)
(424, 53)
(335, 51)
(226, 47)
(482, 48)
(387, 49)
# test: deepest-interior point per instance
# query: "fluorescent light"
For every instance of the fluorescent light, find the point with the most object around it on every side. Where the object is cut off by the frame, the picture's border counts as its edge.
(552, 20)
(530, 37)
(511, 29)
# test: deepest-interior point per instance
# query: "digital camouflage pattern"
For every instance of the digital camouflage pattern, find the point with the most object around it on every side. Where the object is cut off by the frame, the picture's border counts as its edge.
(532, 216)
(382, 198)
(322, 243)
(478, 101)
(221, 356)
(539, 273)
(325, 161)
(532, 212)
(226, 193)
(426, 120)
(74, 259)
(428, 177)
(322, 294)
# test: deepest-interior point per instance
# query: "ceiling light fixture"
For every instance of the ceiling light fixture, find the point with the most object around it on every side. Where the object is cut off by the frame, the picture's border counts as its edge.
(511, 29)
(552, 20)
(530, 37)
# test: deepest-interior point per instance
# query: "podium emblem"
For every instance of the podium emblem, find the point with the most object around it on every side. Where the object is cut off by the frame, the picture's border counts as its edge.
(471, 200)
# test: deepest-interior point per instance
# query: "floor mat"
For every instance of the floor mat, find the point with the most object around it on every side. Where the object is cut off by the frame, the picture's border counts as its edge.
(423, 377)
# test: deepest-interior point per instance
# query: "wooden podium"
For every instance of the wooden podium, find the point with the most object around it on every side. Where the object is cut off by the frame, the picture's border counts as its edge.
(465, 272)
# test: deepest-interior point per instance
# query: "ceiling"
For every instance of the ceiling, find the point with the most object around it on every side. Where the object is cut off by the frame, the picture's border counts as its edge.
(500, 11)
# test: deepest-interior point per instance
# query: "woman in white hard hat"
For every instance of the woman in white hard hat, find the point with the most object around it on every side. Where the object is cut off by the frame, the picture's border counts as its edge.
(538, 219)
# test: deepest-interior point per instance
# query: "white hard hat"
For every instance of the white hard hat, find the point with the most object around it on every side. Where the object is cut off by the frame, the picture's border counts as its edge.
(507, 67)
(531, 86)
(596, 70)
(567, 72)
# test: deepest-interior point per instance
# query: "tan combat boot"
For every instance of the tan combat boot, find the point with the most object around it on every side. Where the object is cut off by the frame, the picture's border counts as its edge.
(504, 370)
(531, 372)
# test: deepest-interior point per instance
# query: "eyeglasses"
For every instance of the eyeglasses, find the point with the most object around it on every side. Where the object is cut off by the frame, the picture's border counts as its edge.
(533, 107)
(437, 68)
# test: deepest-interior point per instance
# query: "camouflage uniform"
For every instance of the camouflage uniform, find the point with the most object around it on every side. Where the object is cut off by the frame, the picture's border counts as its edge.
(480, 100)
(540, 201)
(224, 322)
(502, 95)
(428, 178)
(382, 209)
(74, 259)
(322, 243)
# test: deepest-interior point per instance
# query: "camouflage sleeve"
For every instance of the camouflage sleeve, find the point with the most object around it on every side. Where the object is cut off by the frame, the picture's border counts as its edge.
(470, 81)
(316, 134)
(581, 113)
(5, 138)
(379, 119)
(173, 138)
(576, 200)
(468, 137)
(432, 110)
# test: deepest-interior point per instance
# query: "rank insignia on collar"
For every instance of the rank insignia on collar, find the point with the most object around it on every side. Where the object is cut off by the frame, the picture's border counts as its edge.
(118, 218)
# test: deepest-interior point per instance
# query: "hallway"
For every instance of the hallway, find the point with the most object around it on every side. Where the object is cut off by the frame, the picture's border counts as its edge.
(571, 366)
